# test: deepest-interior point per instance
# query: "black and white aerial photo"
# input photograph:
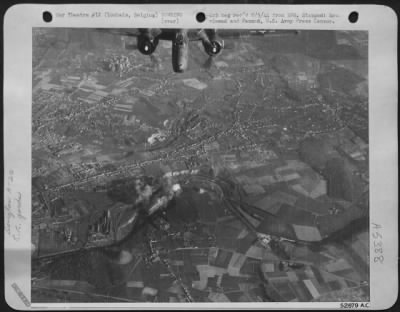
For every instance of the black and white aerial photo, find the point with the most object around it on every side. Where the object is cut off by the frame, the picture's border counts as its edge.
(199, 165)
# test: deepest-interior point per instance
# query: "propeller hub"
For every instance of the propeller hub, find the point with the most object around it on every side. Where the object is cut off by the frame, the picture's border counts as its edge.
(213, 47)
(147, 45)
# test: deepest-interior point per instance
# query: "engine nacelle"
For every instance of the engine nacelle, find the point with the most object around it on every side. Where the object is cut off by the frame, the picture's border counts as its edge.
(213, 47)
(146, 45)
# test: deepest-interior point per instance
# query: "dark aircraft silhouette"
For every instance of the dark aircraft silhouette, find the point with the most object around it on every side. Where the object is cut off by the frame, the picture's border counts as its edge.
(147, 40)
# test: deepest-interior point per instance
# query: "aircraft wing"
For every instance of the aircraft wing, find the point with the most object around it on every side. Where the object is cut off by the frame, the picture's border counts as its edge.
(241, 33)
(232, 34)
(161, 34)
(131, 32)
(194, 35)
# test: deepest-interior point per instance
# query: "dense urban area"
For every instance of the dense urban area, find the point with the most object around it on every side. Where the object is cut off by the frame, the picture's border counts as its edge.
(243, 181)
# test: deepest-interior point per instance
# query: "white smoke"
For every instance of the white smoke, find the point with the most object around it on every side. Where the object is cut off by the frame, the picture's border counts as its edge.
(124, 257)
(144, 192)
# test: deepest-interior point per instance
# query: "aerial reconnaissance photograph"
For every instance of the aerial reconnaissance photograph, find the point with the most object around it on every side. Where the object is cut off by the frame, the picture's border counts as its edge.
(199, 165)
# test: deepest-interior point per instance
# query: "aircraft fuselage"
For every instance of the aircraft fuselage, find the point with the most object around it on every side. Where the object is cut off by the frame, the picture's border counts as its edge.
(180, 51)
